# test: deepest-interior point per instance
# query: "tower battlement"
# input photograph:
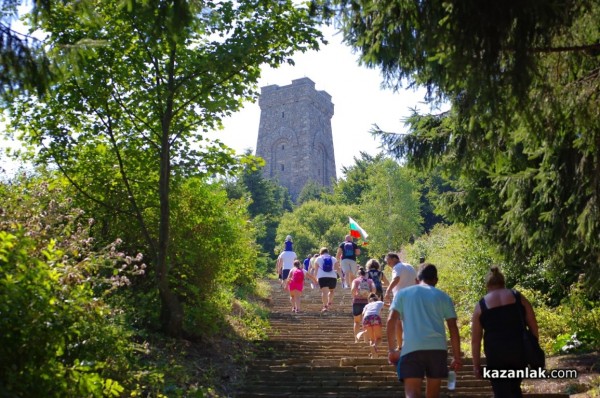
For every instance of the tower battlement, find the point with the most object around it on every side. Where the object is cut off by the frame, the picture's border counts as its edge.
(294, 135)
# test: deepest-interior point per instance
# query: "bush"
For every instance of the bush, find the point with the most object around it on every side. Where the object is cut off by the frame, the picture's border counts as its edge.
(57, 340)
(462, 259)
(213, 251)
(59, 335)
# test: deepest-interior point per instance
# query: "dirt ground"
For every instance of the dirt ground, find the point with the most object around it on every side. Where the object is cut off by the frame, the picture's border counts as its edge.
(587, 384)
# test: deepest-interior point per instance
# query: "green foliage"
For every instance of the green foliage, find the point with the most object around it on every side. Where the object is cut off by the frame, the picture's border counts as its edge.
(462, 259)
(468, 47)
(350, 189)
(583, 317)
(129, 121)
(314, 225)
(267, 202)
(391, 207)
(79, 317)
(25, 66)
(311, 191)
(213, 248)
(520, 142)
(60, 337)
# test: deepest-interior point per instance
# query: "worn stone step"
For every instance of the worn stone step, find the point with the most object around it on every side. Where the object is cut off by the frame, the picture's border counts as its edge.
(313, 354)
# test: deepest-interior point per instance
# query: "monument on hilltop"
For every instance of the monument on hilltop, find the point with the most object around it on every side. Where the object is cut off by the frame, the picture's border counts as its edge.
(294, 135)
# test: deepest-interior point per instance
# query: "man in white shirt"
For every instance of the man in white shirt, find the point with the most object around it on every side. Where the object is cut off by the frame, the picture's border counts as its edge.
(403, 275)
(285, 261)
(326, 267)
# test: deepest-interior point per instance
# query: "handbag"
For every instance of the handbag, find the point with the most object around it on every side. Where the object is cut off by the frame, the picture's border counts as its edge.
(534, 355)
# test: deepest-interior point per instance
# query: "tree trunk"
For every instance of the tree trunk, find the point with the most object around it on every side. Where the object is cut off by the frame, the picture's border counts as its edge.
(171, 314)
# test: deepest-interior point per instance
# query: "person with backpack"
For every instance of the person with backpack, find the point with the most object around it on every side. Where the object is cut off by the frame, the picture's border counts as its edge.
(346, 256)
(295, 284)
(362, 287)
(326, 267)
(377, 276)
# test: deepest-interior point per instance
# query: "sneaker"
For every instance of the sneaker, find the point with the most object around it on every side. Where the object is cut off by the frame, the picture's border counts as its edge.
(359, 335)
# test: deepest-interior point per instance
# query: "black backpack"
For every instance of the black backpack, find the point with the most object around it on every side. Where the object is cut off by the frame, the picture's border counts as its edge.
(374, 274)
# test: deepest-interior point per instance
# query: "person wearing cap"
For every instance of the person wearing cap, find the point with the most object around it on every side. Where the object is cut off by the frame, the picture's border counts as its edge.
(422, 309)
(346, 257)
(285, 260)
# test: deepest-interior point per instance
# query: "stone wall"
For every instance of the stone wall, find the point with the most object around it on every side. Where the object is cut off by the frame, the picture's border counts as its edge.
(294, 135)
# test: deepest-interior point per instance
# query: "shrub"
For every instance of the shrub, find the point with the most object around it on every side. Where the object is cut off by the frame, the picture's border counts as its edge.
(59, 335)
(213, 251)
(57, 340)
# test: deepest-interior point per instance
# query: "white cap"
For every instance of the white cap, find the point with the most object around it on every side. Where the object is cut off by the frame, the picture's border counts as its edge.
(288, 238)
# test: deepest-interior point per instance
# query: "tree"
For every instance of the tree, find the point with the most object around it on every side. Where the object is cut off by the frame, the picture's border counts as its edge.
(314, 225)
(130, 122)
(523, 135)
(390, 207)
(311, 191)
(350, 189)
(25, 67)
(267, 202)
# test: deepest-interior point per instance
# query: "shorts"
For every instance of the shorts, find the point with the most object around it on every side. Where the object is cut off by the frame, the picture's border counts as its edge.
(358, 308)
(372, 320)
(327, 282)
(424, 363)
(285, 273)
(349, 265)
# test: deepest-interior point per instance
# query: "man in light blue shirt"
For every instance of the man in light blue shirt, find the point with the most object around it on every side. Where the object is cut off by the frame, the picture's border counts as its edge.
(422, 310)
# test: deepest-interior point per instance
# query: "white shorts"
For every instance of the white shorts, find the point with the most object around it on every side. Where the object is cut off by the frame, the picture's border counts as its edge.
(349, 265)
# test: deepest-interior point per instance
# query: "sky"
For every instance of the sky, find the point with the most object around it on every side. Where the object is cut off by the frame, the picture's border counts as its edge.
(359, 102)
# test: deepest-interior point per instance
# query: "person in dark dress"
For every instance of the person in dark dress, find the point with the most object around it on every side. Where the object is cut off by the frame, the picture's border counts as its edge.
(497, 319)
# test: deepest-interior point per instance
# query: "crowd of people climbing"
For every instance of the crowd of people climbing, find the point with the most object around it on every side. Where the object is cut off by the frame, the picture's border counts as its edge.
(418, 314)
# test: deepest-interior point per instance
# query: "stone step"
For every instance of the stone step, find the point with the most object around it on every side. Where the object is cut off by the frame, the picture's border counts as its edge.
(313, 354)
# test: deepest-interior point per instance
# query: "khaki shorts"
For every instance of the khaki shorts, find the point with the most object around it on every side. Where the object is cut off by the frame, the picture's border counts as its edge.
(349, 265)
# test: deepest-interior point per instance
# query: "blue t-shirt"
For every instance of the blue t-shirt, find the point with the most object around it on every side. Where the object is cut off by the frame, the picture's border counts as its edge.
(423, 309)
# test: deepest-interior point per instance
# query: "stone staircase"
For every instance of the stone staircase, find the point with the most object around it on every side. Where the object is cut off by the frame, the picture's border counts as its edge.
(313, 354)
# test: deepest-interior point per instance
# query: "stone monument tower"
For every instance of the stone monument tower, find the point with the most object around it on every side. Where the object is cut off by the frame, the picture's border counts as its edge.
(294, 135)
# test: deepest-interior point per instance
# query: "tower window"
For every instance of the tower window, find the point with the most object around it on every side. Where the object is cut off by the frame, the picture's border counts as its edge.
(282, 115)
(282, 167)
(282, 147)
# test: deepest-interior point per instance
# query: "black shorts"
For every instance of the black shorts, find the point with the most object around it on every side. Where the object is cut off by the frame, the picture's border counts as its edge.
(285, 273)
(327, 282)
(424, 363)
(358, 308)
